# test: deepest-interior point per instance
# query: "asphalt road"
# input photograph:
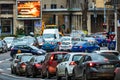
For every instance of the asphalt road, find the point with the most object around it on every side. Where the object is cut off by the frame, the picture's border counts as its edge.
(5, 71)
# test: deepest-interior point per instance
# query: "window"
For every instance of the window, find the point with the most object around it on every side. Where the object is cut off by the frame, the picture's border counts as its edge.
(53, 6)
(44, 6)
(66, 57)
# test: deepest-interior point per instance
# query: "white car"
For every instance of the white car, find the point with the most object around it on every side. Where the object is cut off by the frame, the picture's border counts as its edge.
(9, 41)
(66, 43)
(65, 68)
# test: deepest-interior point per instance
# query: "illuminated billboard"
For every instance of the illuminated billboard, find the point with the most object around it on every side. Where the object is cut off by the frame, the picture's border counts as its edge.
(30, 9)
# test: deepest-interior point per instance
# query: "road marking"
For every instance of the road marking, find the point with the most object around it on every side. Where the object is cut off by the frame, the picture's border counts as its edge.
(5, 60)
(10, 75)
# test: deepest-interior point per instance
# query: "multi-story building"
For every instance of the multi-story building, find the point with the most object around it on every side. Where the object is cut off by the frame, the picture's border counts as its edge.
(15, 14)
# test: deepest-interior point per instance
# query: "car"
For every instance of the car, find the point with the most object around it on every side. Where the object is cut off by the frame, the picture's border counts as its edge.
(85, 46)
(65, 68)
(40, 41)
(50, 46)
(3, 46)
(34, 66)
(96, 66)
(52, 59)
(66, 43)
(9, 41)
(16, 62)
(117, 73)
(23, 48)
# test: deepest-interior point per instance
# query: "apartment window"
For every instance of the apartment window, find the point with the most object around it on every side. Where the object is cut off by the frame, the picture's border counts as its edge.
(6, 9)
(53, 6)
(44, 6)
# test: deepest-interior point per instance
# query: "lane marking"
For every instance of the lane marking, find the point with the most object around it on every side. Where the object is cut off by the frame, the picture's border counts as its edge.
(5, 60)
(9, 75)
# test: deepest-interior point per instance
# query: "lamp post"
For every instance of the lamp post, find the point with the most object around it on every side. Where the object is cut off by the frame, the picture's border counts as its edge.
(115, 22)
(105, 13)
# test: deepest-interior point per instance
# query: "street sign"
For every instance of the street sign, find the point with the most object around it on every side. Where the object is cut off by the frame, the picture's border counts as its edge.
(118, 23)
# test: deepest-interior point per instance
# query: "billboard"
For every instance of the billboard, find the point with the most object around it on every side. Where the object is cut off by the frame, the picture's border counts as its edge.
(28, 9)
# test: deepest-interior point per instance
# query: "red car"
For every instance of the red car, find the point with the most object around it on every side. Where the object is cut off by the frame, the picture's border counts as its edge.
(49, 64)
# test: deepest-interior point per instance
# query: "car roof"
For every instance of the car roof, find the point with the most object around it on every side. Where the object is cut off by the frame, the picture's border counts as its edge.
(75, 53)
(58, 52)
(100, 51)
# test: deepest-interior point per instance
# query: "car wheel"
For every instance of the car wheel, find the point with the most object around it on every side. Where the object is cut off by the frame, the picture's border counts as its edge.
(26, 74)
(74, 75)
(57, 76)
(33, 73)
(86, 50)
(67, 77)
(42, 75)
(48, 74)
(12, 72)
(84, 77)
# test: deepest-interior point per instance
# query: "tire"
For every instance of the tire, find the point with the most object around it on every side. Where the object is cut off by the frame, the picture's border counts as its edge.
(33, 74)
(42, 75)
(73, 76)
(84, 77)
(67, 77)
(26, 74)
(58, 77)
(47, 74)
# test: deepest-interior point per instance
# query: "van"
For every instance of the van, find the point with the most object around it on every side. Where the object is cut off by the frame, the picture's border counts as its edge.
(50, 34)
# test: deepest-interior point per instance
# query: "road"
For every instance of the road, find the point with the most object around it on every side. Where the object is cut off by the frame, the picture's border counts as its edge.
(5, 71)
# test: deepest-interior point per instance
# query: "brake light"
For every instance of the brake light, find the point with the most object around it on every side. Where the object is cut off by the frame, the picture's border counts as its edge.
(37, 65)
(72, 63)
(52, 57)
(91, 64)
(80, 46)
(106, 60)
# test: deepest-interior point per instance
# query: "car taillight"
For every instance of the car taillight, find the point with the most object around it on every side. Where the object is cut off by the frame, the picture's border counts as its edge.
(91, 64)
(72, 63)
(37, 65)
(80, 46)
(23, 65)
(52, 57)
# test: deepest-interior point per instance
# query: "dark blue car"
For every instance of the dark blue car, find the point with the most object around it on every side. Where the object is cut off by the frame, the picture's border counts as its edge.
(50, 46)
(85, 46)
(26, 49)
(112, 45)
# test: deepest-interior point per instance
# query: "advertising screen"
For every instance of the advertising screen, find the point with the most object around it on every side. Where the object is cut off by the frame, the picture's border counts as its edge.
(28, 9)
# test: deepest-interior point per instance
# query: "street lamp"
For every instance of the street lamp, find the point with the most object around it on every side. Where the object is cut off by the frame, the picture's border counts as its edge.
(115, 21)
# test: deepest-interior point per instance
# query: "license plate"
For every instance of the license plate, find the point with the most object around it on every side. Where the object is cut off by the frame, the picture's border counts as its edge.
(108, 66)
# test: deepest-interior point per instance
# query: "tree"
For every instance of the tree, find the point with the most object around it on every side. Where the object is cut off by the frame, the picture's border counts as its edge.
(84, 7)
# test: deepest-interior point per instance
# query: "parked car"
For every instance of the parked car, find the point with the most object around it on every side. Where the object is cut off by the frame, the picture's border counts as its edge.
(52, 59)
(84, 46)
(34, 66)
(65, 68)
(96, 66)
(18, 64)
(3, 46)
(26, 49)
(9, 41)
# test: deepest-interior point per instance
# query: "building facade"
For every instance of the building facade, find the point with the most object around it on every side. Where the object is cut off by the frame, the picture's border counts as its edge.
(59, 12)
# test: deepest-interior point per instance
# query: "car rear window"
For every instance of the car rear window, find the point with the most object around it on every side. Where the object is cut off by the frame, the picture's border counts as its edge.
(102, 57)
(58, 56)
(76, 57)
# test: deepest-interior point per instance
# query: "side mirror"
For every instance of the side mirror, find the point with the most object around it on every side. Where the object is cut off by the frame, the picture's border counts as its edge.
(17, 60)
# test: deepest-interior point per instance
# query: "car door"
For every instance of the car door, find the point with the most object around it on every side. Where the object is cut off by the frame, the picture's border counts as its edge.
(25, 49)
(63, 64)
(78, 67)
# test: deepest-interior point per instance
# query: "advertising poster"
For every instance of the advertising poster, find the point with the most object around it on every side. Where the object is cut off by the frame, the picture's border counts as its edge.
(28, 9)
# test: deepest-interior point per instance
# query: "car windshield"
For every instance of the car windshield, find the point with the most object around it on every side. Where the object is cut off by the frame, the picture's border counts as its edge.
(65, 39)
(48, 35)
(26, 58)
